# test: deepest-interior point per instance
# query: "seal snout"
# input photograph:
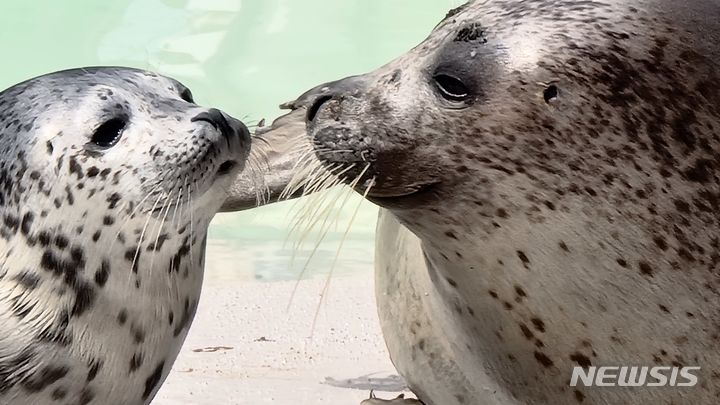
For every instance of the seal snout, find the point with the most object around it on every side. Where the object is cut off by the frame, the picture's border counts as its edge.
(228, 126)
(236, 135)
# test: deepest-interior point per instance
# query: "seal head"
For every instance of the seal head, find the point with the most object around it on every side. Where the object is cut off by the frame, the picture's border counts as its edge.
(549, 171)
(109, 178)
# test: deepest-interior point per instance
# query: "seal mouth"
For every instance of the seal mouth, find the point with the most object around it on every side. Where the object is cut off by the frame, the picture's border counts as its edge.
(226, 168)
(418, 194)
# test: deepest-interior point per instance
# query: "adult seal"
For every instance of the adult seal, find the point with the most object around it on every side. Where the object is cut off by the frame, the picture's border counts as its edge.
(548, 172)
(109, 178)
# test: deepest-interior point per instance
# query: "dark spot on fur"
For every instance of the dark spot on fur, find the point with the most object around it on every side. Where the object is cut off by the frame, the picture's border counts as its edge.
(660, 242)
(153, 380)
(86, 396)
(185, 320)
(523, 257)
(582, 360)
(26, 223)
(538, 324)
(94, 368)
(27, 279)
(113, 200)
(645, 268)
(133, 256)
(102, 273)
(93, 171)
(58, 393)
(45, 378)
(526, 331)
(122, 317)
(136, 362)
(75, 168)
(543, 359)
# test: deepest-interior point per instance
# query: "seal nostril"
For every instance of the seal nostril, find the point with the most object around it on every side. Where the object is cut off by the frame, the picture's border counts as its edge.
(315, 108)
(227, 125)
(226, 167)
(205, 117)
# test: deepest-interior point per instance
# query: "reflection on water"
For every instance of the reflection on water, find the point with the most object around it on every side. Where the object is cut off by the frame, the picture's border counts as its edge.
(244, 56)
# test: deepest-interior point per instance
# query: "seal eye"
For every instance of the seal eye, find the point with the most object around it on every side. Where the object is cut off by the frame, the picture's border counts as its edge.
(109, 133)
(451, 88)
(186, 95)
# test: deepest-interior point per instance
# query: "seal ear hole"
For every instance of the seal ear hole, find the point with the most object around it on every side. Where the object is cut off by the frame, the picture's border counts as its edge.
(551, 93)
(451, 87)
(109, 133)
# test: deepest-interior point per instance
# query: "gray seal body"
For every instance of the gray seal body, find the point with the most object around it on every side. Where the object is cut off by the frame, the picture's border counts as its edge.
(109, 179)
(548, 172)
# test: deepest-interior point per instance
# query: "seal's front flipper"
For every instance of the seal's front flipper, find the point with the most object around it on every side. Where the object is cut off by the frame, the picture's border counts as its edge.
(400, 400)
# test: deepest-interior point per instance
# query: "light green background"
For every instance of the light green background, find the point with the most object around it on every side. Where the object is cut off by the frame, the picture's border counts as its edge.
(243, 56)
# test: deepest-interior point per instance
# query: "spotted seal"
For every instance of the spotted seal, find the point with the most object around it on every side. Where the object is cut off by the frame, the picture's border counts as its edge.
(109, 178)
(548, 177)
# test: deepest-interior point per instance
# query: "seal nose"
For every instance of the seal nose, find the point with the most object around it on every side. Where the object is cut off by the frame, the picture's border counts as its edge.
(227, 125)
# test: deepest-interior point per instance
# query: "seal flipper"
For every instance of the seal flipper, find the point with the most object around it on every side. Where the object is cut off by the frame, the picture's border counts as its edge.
(399, 400)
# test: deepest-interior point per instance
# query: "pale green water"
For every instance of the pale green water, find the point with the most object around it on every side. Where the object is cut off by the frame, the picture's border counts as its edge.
(243, 56)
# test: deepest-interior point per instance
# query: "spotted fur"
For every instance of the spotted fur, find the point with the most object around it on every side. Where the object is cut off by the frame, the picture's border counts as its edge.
(563, 212)
(98, 283)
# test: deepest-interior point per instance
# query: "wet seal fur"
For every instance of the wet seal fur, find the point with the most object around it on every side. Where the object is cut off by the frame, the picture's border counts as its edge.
(550, 178)
(109, 178)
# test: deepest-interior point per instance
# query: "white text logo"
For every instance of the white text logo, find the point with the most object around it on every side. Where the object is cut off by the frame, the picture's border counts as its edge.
(625, 376)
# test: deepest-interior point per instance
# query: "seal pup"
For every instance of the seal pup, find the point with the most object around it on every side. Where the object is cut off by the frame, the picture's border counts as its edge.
(110, 177)
(548, 172)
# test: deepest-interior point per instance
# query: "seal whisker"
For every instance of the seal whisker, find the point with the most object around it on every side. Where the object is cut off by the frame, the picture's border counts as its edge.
(177, 203)
(160, 227)
(192, 225)
(326, 287)
(308, 214)
(134, 269)
(325, 228)
(129, 217)
(182, 201)
(305, 170)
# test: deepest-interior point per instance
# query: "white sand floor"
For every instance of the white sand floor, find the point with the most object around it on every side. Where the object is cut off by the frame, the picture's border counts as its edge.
(245, 347)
